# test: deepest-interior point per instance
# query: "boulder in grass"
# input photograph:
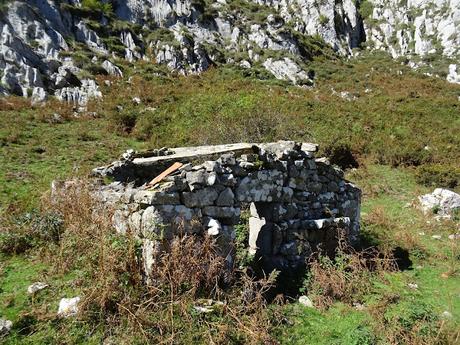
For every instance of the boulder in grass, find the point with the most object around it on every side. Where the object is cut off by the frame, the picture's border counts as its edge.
(68, 307)
(35, 287)
(442, 202)
(5, 326)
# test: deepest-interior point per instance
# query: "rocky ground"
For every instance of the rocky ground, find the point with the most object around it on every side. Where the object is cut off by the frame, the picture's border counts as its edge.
(54, 48)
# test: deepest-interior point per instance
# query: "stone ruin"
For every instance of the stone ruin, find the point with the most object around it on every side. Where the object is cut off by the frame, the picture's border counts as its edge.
(297, 203)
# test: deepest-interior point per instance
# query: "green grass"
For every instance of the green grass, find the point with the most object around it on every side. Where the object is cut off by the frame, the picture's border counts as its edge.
(340, 325)
(35, 152)
(17, 273)
(386, 129)
(396, 119)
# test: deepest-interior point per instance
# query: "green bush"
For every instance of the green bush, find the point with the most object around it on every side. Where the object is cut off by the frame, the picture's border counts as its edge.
(365, 9)
(341, 154)
(323, 20)
(438, 175)
(124, 121)
(97, 5)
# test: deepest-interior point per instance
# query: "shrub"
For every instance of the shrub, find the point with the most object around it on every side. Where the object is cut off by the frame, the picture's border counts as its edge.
(341, 155)
(366, 8)
(161, 34)
(438, 175)
(323, 20)
(124, 120)
(97, 5)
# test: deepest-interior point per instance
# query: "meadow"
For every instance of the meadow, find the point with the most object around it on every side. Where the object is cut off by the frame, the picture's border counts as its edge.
(394, 131)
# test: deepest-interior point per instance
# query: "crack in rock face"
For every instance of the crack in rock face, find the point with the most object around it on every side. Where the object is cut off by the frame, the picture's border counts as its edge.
(38, 56)
(297, 203)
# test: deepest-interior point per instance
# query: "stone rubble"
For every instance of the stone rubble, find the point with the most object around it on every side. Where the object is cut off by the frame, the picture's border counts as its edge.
(442, 202)
(297, 203)
(36, 58)
(305, 301)
(412, 286)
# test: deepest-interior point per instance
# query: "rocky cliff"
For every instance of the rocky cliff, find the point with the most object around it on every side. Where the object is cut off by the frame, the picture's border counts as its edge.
(55, 47)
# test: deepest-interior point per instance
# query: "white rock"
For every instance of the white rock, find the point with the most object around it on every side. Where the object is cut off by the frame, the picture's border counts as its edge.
(35, 287)
(454, 237)
(204, 310)
(136, 100)
(305, 301)
(446, 315)
(359, 306)
(412, 286)
(213, 226)
(5, 326)
(80, 95)
(112, 69)
(287, 69)
(68, 307)
(437, 237)
(442, 200)
(38, 95)
(453, 76)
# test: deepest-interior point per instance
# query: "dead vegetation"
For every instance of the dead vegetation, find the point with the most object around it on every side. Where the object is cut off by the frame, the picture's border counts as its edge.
(348, 276)
(191, 295)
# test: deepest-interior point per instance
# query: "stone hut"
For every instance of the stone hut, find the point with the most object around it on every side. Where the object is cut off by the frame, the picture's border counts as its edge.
(296, 201)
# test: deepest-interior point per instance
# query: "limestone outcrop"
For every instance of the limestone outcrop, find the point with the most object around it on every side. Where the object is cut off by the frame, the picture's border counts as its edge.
(48, 47)
(296, 203)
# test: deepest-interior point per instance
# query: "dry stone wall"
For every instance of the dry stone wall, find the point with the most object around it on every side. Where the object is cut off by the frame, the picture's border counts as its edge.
(296, 202)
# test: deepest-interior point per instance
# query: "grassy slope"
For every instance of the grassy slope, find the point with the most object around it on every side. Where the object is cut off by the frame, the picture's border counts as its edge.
(34, 151)
(390, 124)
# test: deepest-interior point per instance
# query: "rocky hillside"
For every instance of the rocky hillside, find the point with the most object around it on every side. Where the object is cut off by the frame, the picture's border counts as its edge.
(55, 47)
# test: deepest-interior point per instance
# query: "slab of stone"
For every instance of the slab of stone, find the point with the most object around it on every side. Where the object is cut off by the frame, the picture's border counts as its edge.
(204, 153)
(221, 212)
(260, 236)
(150, 252)
(35, 287)
(200, 197)
(226, 198)
(148, 197)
